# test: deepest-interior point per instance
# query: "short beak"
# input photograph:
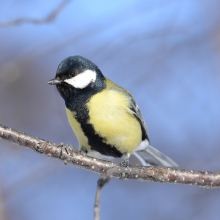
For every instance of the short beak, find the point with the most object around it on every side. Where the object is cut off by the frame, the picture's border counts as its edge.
(54, 82)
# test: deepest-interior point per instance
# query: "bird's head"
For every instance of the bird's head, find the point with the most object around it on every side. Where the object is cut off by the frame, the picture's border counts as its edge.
(77, 75)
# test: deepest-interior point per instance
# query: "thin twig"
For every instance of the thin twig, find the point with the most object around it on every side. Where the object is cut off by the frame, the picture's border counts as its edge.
(102, 181)
(50, 17)
(74, 157)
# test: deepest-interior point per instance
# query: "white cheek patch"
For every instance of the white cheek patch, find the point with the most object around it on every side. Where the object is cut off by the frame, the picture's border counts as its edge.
(82, 80)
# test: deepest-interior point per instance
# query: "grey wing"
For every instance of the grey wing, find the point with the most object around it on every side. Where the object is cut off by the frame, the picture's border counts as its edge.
(136, 111)
(146, 153)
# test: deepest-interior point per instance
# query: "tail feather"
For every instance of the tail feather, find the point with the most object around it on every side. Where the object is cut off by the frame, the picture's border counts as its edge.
(151, 156)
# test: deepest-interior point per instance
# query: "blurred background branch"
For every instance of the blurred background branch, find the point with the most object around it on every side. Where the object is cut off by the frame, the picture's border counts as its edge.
(49, 18)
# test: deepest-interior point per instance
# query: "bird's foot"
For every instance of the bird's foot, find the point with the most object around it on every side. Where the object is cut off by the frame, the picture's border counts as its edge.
(125, 160)
(64, 147)
(124, 163)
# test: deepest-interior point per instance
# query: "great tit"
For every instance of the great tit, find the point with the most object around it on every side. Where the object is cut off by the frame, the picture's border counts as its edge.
(104, 116)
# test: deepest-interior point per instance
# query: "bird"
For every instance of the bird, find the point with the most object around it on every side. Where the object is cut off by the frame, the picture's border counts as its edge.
(104, 116)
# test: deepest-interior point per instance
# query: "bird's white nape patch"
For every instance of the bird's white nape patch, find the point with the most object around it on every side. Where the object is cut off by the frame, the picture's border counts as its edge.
(82, 80)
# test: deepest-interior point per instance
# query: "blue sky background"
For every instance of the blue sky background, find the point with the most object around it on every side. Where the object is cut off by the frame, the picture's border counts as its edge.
(165, 52)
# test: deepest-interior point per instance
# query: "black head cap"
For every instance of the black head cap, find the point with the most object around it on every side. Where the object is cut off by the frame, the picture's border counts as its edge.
(74, 65)
(71, 67)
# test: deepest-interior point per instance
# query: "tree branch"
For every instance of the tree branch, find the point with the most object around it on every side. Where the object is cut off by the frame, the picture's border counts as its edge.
(102, 181)
(50, 17)
(74, 157)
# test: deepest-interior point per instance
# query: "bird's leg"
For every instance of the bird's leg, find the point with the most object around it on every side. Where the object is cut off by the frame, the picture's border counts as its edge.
(125, 160)
(124, 163)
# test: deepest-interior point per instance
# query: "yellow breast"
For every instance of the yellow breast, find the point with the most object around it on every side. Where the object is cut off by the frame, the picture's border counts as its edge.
(110, 116)
(82, 139)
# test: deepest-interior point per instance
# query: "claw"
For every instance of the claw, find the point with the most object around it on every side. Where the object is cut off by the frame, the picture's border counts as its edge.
(65, 147)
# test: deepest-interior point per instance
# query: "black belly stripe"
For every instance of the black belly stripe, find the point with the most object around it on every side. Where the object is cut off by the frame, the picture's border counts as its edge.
(95, 141)
(77, 103)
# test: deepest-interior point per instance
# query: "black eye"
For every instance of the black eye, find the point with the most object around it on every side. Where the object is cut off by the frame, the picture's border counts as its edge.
(71, 75)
